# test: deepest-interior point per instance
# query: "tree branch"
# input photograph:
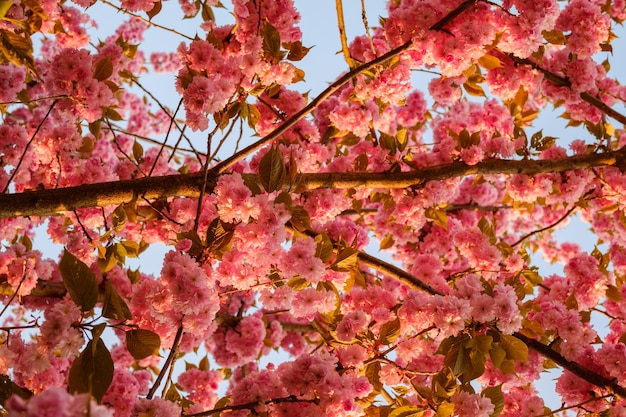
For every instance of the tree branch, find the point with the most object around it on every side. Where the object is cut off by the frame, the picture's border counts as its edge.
(578, 370)
(565, 82)
(342, 34)
(56, 201)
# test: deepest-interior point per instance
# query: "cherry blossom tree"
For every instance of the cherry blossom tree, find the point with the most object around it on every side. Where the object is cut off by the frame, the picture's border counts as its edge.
(268, 200)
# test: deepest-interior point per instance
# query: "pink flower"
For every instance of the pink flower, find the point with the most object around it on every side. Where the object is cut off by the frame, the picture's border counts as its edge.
(11, 81)
(301, 261)
(157, 407)
(351, 324)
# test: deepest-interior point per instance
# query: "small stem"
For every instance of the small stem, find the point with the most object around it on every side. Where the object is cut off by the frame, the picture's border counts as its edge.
(148, 21)
(252, 405)
(168, 362)
(169, 129)
(367, 27)
(565, 408)
(32, 138)
(16, 290)
(548, 227)
(342, 34)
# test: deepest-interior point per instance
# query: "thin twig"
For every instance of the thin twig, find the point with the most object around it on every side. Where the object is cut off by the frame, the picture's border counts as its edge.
(82, 226)
(205, 179)
(169, 129)
(253, 404)
(548, 227)
(148, 21)
(166, 110)
(570, 407)
(32, 138)
(16, 290)
(118, 129)
(168, 362)
(367, 27)
(119, 148)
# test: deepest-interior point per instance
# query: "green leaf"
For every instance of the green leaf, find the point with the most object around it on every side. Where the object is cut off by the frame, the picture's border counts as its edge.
(613, 293)
(94, 128)
(79, 280)
(272, 170)
(104, 69)
(284, 198)
(372, 372)
(97, 330)
(497, 355)
(388, 142)
(114, 306)
(445, 409)
(361, 162)
(483, 343)
(254, 115)
(204, 364)
(402, 139)
(8, 388)
(407, 411)
(324, 249)
(107, 261)
(444, 384)
(118, 217)
(296, 51)
(387, 242)
(554, 37)
(112, 114)
(495, 396)
(346, 260)
(17, 49)
(137, 151)
(487, 229)
(219, 236)
(474, 89)
(92, 370)
(4, 8)
(142, 343)
(515, 349)
(271, 42)
(438, 216)
(489, 62)
(531, 277)
(156, 9)
(207, 13)
(172, 394)
(389, 332)
(298, 283)
(300, 218)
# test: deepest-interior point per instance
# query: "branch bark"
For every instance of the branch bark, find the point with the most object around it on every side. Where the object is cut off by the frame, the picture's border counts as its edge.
(57, 201)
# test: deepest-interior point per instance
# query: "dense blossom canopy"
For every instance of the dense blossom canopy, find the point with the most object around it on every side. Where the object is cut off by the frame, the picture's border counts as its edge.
(268, 200)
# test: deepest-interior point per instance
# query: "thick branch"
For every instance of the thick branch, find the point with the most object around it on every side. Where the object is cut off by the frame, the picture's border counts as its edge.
(578, 370)
(396, 273)
(51, 202)
(42, 289)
